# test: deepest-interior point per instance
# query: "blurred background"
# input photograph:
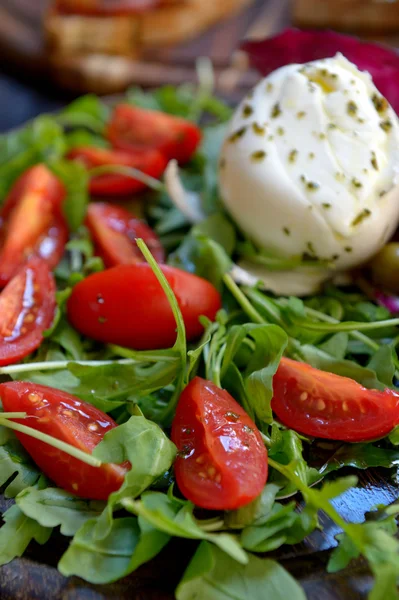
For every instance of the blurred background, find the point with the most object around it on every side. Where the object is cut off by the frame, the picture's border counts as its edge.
(50, 52)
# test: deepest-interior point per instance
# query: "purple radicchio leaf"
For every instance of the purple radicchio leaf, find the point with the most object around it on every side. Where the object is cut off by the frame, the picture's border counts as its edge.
(298, 46)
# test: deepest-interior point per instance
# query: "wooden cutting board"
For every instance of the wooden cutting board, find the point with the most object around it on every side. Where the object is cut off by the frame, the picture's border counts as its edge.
(35, 576)
(22, 45)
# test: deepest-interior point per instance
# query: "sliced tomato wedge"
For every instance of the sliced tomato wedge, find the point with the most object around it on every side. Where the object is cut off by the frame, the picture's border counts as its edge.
(126, 305)
(132, 128)
(70, 420)
(149, 161)
(31, 222)
(114, 231)
(27, 306)
(222, 460)
(104, 7)
(329, 406)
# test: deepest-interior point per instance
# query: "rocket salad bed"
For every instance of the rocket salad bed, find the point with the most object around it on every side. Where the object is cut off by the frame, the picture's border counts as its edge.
(174, 441)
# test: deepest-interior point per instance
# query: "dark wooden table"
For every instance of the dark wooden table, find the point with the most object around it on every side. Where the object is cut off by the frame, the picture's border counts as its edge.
(26, 92)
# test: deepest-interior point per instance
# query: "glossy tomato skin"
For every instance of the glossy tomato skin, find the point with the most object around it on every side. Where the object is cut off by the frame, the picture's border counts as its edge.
(330, 406)
(70, 420)
(132, 128)
(114, 231)
(32, 222)
(27, 307)
(104, 7)
(222, 461)
(126, 305)
(149, 161)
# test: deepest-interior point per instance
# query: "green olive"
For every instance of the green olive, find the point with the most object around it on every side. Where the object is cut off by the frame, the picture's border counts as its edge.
(385, 267)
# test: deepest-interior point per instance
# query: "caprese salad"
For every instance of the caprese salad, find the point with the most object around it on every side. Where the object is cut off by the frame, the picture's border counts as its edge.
(193, 309)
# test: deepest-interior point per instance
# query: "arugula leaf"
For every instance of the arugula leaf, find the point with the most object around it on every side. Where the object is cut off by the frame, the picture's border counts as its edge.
(212, 575)
(52, 507)
(286, 448)
(17, 533)
(16, 468)
(360, 456)
(376, 542)
(268, 344)
(106, 386)
(186, 101)
(42, 140)
(128, 544)
(254, 512)
(87, 111)
(176, 518)
(149, 451)
(203, 256)
(82, 137)
(76, 181)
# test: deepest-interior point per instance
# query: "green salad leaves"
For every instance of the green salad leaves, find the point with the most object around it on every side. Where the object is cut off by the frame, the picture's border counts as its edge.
(338, 331)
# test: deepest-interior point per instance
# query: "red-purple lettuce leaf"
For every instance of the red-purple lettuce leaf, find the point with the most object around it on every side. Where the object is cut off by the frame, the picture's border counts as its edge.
(389, 302)
(297, 46)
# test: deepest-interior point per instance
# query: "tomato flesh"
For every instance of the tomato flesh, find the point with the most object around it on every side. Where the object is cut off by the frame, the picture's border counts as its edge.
(114, 231)
(126, 305)
(31, 222)
(149, 161)
(222, 461)
(70, 420)
(132, 128)
(27, 306)
(330, 406)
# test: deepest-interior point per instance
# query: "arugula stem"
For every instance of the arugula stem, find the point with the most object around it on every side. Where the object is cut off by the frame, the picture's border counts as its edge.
(60, 364)
(181, 342)
(215, 524)
(267, 305)
(217, 366)
(242, 300)
(149, 181)
(143, 355)
(266, 440)
(355, 334)
(13, 415)
(311, 498)
(349, 326)
(51, 441)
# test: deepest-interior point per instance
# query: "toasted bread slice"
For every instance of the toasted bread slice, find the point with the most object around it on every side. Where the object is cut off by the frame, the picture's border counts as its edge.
(177, 23)
(69, 35)
(172, 21)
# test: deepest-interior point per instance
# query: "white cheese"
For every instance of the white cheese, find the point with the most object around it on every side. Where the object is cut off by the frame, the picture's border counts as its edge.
(310, 165)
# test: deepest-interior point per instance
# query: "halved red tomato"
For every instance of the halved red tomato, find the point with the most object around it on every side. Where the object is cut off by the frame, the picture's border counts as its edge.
(329, 406)
(27, 306)
(104, 7)
(114, 231)
(132, 128)
(70, 420)
(126, 305)
(31, 222)
(222, 460)
(148, 161)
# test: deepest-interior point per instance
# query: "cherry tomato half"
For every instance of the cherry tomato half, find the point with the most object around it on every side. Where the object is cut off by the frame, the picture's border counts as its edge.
(27, 306)
(104, 7)
(222, 461)
(126, 305)
(114, 231)
(31, 222)
(70, 420)
(149, 161)
(329, 406)
(131, 128)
